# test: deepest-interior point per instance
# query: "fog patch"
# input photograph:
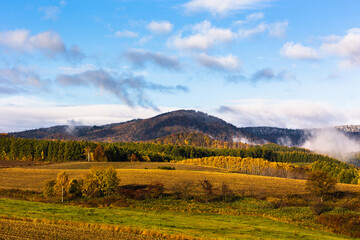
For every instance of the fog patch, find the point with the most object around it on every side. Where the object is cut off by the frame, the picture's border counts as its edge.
(333, 143)
(71, 126)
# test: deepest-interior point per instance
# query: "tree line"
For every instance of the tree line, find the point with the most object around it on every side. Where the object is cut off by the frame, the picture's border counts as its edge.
(63, 151)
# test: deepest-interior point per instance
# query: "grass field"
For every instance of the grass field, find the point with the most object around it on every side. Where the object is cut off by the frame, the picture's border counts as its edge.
(27, 229)
(33, 178)
(206, 226)
(247, 217)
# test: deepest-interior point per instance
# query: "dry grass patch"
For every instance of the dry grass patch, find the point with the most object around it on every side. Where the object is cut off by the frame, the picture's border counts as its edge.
(127, 165)
(33, 179)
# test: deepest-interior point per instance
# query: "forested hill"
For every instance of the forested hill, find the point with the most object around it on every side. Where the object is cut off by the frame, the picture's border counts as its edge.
(179, 122)
(147, 129)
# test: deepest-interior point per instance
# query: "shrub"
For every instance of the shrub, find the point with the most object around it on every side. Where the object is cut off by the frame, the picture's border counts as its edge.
(140, 192)
(155, 190)
(183, 189)
(166, 168)
(318, 207)
(347, 224)
(208, 190)
(226, 194)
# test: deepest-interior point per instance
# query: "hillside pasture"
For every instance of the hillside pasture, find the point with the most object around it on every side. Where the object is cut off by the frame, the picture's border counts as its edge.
(33, 178)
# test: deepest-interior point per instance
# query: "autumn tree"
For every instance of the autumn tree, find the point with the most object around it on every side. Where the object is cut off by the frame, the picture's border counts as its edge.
(61, 186)
(100, 182)
(99, 154)
(320, 184)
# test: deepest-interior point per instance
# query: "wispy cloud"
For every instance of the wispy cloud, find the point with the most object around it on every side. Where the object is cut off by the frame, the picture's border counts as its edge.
(160, 27)
(126, 33)
(223, 7)
(276, 29)
(129, 89)
(140, 57)
(50, 12)
(20, 79)
(262, 75)
(223, 63)
(250, 18)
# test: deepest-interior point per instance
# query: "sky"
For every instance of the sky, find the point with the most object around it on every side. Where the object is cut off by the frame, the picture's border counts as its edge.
(280, 63)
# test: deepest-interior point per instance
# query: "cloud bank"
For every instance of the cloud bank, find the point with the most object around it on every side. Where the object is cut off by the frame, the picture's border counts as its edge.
(333, 143)
(287, 114)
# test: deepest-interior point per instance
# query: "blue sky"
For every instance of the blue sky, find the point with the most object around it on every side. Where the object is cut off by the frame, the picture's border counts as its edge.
(251, 62)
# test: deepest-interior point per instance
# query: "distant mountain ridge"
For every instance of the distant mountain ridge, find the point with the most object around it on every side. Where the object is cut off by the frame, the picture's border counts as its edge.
(146, 129)
(180, 121)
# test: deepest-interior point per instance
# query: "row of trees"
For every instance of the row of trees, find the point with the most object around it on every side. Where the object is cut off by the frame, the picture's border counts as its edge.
(256, 166)
(60, 151)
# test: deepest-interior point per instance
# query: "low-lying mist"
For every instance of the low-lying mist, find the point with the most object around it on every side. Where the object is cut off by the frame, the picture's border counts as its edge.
(333, 143)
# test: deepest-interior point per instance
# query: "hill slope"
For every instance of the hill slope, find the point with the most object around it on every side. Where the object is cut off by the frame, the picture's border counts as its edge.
(147, 129)
(176, 122)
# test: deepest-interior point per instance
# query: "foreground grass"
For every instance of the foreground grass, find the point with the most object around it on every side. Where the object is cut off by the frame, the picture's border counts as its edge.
(27, 229)
(198, 225)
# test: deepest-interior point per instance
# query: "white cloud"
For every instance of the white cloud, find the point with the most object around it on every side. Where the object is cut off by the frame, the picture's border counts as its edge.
(223, 7)
(287, 113)
(205, 37)
(347, 48)
(160, 27)
(126, 33)
(299, 52)
(38, 114)
(50, 43)
(225, 63)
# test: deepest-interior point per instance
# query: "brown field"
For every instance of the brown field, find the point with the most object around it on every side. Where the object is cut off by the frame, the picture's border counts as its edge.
(33, 178)
(127, 165)
(7, 163)
(18, 229)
